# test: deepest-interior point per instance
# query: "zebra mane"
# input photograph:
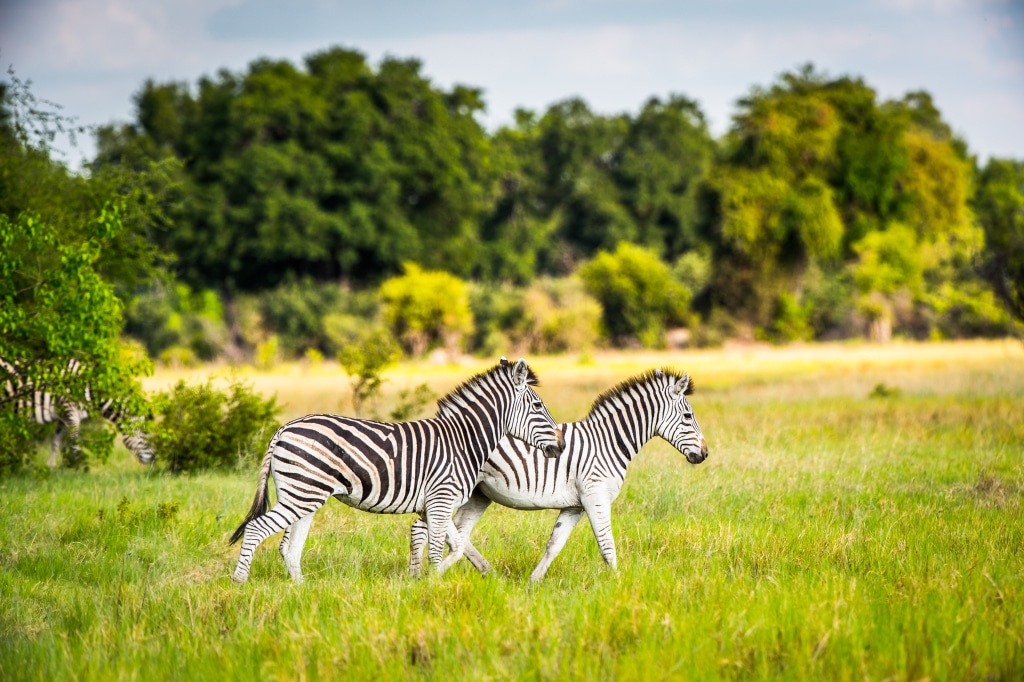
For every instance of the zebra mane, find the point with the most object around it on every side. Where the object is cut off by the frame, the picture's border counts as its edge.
(451, 402)
(633, 382)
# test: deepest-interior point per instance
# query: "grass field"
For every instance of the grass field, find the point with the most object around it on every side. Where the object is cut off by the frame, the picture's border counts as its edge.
(831, 534)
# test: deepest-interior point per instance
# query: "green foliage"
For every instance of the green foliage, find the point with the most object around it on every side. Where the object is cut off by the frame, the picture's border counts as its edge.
(411, 402)
(364, 361)
(637, 293)
(334, 170)
(426, 308)
(999, 205)
(202, 427)
(172, 321)
(55, 307)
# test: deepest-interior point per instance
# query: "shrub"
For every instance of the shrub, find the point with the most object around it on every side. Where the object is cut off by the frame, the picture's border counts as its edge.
(638, 294)
(201, 427)
(427, 308)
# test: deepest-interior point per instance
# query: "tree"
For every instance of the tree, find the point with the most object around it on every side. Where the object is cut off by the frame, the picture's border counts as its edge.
(637, 293)
(54, 308)
(332, 171)
(999, 205)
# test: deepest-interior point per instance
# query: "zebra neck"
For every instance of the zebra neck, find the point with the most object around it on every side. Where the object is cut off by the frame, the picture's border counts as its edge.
(625, 427)
(480, 435)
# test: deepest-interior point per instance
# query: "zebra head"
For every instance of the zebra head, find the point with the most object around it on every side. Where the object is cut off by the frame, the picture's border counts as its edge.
(678, 425)
(137, 440)
(528, 416)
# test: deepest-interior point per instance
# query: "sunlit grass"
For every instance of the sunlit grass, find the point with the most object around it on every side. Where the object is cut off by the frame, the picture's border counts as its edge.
(831, 535)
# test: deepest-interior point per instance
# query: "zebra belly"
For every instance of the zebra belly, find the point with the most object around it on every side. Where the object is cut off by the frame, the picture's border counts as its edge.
(414, 506)
(530, 494)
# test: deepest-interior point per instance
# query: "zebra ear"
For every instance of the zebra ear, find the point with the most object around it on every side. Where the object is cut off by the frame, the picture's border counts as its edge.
(680, 388)
(504, 361)
(520, 373)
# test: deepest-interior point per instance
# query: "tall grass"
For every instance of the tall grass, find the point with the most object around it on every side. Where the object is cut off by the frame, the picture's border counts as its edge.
(831, 535)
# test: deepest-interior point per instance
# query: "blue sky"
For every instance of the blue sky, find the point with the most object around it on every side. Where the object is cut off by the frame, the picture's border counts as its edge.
(92, 55)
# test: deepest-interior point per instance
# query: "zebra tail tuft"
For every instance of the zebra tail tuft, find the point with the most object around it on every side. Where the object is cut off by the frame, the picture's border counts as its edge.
(260, 503)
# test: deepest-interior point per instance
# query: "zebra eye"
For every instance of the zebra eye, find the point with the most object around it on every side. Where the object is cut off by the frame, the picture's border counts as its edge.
(538, 405)
(687, 415)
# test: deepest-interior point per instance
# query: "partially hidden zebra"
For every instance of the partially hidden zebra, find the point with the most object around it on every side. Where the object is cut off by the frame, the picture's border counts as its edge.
(45, 407)
(588, 475)
(427, 467)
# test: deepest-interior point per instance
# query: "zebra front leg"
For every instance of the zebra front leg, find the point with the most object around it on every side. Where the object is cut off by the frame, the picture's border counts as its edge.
(417, 539)
(439, 524)
(566, 521)
(455, 543)
(600, 512)
(465, 519)
(291, 546)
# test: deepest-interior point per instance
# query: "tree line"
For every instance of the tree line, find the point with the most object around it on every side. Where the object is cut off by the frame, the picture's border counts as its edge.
(277, 210)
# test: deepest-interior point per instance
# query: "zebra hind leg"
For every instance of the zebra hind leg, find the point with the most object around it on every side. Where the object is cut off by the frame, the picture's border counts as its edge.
(292, 544)
(261, 528)
(566, 521)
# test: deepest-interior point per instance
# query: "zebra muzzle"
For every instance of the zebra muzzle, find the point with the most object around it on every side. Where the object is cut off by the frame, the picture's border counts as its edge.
(558, 448)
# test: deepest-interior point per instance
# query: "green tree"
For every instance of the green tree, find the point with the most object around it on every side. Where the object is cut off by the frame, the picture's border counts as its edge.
(999, 205)
(332, 171)
(637, 293)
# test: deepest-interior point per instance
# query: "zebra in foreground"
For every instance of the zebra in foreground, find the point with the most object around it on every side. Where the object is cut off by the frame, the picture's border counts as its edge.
(427, 467)
(588, 475)
(46, 407)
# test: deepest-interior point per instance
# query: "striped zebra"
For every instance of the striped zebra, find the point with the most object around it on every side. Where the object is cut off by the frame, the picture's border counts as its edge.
(427, 467)
(587, 477)
(46, 407)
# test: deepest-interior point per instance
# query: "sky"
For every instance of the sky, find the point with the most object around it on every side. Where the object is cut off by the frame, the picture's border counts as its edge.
(92, 56)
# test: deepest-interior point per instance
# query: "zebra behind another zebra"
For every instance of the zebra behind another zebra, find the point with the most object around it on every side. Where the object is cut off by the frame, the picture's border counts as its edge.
(427, 467)
(587, 477)
(45, 407)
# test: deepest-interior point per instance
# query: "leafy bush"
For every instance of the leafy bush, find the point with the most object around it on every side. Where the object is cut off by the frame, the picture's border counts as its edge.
(638, 294)
(426, 308)
(201, 427)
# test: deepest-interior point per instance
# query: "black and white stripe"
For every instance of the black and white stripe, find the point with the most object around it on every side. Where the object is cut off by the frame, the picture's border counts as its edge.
(46, 407)
(427, 467)
(588, 475)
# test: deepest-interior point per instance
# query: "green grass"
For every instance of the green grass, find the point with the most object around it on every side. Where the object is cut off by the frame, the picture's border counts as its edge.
(831, 535)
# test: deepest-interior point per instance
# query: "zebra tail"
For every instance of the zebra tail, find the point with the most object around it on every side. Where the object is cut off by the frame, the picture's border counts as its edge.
(260, 503)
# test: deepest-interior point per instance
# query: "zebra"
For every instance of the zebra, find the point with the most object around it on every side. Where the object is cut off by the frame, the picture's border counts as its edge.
(427, 467)
(45, 407)
(587, 477)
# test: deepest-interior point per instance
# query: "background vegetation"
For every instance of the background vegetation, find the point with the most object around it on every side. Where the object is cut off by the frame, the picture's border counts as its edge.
(297, 202)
